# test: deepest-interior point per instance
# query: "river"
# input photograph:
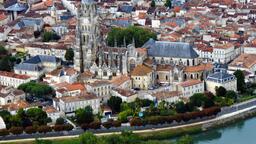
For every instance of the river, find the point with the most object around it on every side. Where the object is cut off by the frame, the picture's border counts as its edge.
(242, 132)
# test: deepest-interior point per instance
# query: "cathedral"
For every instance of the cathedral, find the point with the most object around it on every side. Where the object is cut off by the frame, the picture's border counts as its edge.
(91, 52)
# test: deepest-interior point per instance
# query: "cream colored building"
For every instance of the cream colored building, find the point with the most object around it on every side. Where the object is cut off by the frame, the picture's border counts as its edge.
(10, 95)
(190, 87)
(124, 94)
(223, 53)
(101, 88)
(70, 104)
(167, 96)
(12, 79)
(142, 77)
(222, 78)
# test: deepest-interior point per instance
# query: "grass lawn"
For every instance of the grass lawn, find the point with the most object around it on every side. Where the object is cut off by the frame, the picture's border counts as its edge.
(246, 97)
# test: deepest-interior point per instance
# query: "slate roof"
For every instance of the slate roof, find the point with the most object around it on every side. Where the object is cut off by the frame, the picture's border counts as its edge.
(32, 64)
(29, 22)
(221, 77)
(170, 49)
(17, 7)
(126, 8)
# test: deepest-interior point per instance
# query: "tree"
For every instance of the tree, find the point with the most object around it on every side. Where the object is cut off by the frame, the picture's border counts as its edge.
(5, 64)
(88, 138)
(50, 36)
(84, 115)
(60, 121)
(240, 80)
(185, 140)
(132, 33)
(168, 3)
(3, 51)
(153, 3)
(180, 107)
(115, 103)
(37, 115)
(69, 55)
(231, 94)
(197, 99)
(36, 89)
(220, 91)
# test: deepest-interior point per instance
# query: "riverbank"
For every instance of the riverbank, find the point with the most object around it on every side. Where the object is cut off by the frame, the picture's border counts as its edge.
(169, 132)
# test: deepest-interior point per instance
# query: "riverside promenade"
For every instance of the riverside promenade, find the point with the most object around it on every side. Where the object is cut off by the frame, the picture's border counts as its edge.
(226, 113)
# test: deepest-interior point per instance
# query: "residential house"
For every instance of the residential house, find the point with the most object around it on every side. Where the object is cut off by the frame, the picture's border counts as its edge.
(12, 79)
(190, 87)
(69, 104)
(221, 78)
(142, 77)
(37, 66)
(61, 75)
(124, 94)
(167, 96)
(10, 95)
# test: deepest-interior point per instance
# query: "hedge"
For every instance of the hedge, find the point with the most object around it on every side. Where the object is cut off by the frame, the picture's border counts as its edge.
(4, 132)
(16, 130)
(30, 129)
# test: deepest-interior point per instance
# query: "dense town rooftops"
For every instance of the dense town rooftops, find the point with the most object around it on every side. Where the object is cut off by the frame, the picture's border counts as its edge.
(244, 61)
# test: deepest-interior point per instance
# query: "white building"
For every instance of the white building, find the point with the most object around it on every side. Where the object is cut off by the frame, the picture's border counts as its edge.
(221, 78)
(124, 94)
(167, 96)
(190, 87)
(12, 79)
(100, 88)
(60, 75)
(10, 95)
(223, 53)
(70, 104)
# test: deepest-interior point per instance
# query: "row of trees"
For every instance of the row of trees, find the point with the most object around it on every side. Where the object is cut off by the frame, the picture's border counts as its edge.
(127, 35)
(37, 89)
(35, 129)
(30, 117)
(154, 120)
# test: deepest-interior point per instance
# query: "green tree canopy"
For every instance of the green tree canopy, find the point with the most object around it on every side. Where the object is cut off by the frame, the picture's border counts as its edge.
(168, 3)
(138, 34)
(153, 3)
(240, 81)
(197, 99)
(220, 91)
(115, 103)
(36, 89)
(5, 64)
(185, 140)
(69, 55)
(88, 138)
(60, 121)
(3, 51)
(84, 115)
(231, 94)
(37, 115)
(180, 107)
(50, 36)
